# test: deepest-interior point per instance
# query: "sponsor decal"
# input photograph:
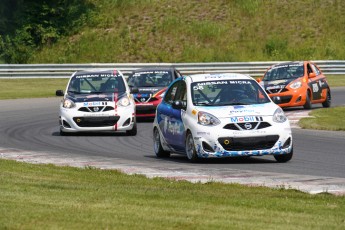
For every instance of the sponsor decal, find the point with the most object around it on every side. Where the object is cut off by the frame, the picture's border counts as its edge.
(95, 103)
(97, 75)
(277, 82)
(144, 104)
(285, 66)
(242, 111)
(245, 119)
(203, 133)
(275, 87)
(151, 72)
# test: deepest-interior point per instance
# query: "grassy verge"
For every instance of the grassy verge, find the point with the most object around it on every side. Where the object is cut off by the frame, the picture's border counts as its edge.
(30, 88)
(325, 119)
(35, 88)
(46, 196)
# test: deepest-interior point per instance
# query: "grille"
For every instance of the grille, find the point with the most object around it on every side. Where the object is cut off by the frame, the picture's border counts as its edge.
(248, 143)
(98, 109)
(145, 109)
(242, 126)
(285, 99)
(96, 121)
(276, 91)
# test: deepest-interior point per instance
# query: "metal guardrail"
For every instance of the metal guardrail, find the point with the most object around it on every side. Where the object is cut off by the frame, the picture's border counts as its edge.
(65, 70)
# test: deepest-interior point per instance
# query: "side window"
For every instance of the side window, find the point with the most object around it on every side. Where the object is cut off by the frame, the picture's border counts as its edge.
(181, 92)
(310, 70)
(171, 93)
(315, 69)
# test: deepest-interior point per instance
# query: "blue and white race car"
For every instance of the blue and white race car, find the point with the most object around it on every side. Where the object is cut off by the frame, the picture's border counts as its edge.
(97, 101)
(220, 115)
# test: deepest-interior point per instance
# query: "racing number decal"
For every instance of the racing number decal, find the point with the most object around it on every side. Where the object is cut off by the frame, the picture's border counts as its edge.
(315, 88)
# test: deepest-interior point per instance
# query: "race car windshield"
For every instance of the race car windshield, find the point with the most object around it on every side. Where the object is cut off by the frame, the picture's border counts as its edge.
(228, 92)
(284, 72)
(96, 83)
(150, 79)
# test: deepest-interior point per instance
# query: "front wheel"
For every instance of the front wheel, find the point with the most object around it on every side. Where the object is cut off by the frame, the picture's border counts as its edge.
(327, 102)
(190, 148)
(284, 158)
(307, 104)
(133, 131)
(157, 146)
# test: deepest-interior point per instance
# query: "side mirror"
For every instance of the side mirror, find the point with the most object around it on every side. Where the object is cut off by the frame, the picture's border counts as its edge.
(134, 90)
(179, 104)
(312, 75)
(59, 92)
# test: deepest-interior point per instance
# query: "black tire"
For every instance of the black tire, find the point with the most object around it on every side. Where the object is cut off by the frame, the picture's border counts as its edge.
(62, 133)
(327, 103)
(284, 158)
(190, 148)
(133, 131)
(307, 104)
(157, 145)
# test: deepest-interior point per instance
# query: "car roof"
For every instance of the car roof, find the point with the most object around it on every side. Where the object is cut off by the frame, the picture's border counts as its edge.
(158, 68)
(290, 63)
(219, 76)
(97, 71)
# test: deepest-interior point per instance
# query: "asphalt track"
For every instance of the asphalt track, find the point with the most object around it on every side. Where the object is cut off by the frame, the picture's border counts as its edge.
(29, 132)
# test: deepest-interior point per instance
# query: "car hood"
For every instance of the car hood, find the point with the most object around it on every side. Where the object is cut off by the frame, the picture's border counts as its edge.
(94, 97)
(276, 84)
(266, 109)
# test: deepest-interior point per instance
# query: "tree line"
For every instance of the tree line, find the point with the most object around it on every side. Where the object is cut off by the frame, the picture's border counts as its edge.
(28, 25)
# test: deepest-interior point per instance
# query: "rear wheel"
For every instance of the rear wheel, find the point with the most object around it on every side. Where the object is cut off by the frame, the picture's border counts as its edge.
(190, 148)
(327, 103)
(307, 104)
(157, 146)
(284, 158)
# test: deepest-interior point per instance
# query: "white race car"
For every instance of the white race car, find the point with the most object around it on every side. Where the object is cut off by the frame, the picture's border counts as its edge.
(220, 115)
(97, 101)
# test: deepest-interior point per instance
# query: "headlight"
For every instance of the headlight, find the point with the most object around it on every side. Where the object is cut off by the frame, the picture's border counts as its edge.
(124, 102)
(207, 119)
(296, 85)
(279, 116)
(67, 103)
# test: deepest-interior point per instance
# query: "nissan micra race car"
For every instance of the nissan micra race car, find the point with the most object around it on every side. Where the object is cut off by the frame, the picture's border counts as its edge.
(293, 84)
(97, 101)
(220, 115)
(151, 83)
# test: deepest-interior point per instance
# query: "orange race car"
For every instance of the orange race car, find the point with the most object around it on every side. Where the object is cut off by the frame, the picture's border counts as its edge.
(292, 84)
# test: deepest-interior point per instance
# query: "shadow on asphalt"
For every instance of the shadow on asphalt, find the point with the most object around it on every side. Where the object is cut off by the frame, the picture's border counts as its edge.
(231, 160)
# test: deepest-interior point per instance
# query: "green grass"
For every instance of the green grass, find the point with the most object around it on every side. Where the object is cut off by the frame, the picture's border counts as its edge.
(203, 31)
(50, 197)
(325, 119)
(30, 88)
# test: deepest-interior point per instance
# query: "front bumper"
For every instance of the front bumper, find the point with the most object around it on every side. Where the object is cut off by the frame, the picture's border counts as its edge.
(291, 98)
(147, 109)
(217, 142)
(72, 120)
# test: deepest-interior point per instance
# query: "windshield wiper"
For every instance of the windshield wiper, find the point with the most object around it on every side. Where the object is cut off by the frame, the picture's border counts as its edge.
(234, 103)
(204, 104)
(75, 92)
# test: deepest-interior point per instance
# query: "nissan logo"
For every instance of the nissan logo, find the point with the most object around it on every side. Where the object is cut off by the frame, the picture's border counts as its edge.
(248, 126)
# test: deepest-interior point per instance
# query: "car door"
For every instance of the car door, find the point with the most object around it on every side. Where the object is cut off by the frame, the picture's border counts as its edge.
(169, 118)
(315, 83)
